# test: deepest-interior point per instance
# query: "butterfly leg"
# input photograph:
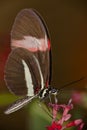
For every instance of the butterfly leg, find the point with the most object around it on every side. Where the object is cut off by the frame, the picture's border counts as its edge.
(45, 109)
(55, 99)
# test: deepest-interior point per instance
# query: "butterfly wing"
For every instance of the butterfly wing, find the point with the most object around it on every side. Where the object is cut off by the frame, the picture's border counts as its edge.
(29, 62)
(29, 31)
(27, 69)
(19, 104)
(22, 74)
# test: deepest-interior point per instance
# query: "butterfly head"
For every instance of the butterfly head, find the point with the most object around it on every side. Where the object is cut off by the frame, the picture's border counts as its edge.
(46, 92)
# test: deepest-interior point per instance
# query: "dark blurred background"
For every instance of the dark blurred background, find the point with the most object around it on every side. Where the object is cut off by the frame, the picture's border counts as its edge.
(67, 24)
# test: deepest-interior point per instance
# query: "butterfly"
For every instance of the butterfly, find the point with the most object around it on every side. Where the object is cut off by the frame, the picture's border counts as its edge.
(28, 67)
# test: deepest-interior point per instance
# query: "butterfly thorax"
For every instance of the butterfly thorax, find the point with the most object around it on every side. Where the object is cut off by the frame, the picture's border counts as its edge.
(47, 91)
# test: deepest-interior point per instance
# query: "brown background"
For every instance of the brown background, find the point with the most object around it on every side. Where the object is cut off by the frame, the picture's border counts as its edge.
(67, 23)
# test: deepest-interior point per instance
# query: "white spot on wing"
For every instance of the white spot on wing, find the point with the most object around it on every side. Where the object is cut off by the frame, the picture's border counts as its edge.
(42, 81)
(28, 79)
(31, 43)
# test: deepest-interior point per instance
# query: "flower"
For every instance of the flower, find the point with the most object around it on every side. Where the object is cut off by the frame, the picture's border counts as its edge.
(77, 97)
(54, 126)
(59, 124)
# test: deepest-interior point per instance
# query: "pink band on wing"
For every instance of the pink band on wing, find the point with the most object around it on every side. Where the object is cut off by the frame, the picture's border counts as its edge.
(31, 43)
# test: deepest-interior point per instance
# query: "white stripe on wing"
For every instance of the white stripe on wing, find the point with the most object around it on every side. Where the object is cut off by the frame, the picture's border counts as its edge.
(28, 79)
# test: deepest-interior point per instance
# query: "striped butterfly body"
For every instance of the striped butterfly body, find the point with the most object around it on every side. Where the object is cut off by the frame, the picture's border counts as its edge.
(27, 70)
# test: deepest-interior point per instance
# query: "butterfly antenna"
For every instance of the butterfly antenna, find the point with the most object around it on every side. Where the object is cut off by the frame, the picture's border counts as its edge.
(70, 83)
